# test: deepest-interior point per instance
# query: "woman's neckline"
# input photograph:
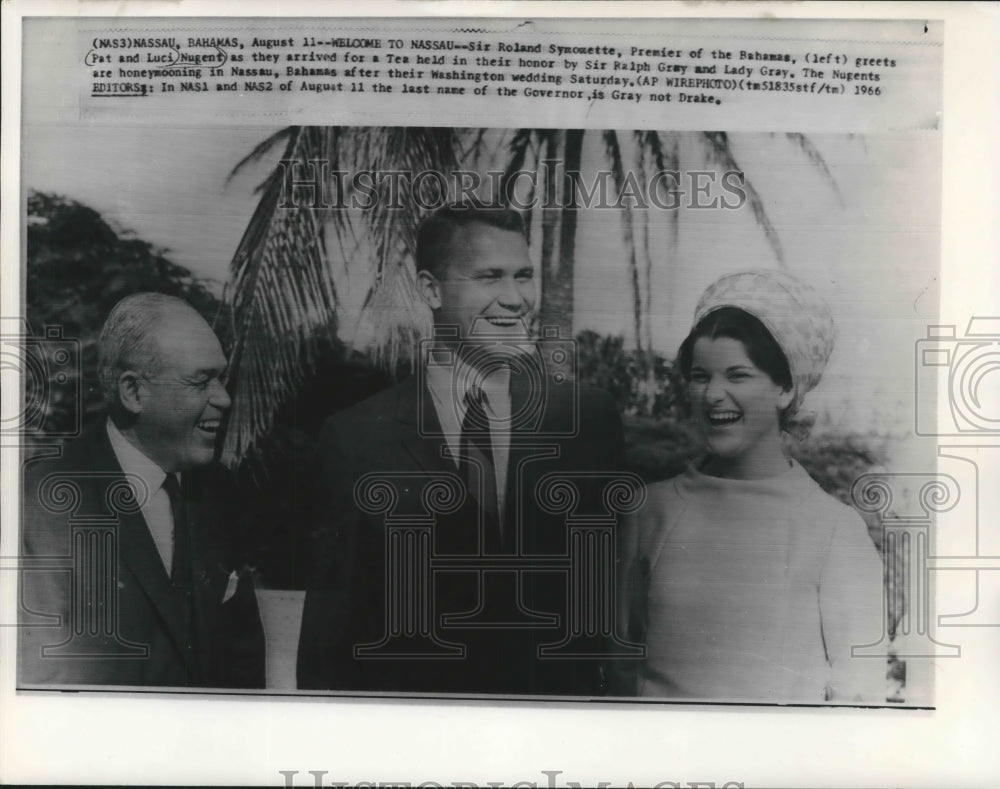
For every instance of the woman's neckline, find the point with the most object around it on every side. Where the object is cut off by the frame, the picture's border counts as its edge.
(698, 466)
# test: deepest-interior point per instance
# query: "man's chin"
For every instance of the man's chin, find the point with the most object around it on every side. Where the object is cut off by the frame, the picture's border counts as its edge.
(203, 453)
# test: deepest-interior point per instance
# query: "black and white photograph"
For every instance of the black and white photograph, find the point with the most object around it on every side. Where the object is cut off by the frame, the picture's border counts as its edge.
(670, 338)
(381, 368)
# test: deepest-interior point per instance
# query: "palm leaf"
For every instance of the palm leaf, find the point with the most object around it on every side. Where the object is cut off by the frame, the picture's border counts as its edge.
(613, 151)
(517, 151)
(392, 303)
(720, 152)
(260, 150)
(814, 156)
(283, 289)
(281, 296)
(664, 159)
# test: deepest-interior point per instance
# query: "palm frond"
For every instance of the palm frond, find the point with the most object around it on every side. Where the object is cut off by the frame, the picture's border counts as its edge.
(549, 144)
(392, 303)
(259, 151)
(720, 151)
(812, 152)
(292, 263)
(665, 158)
(284, 291)
(613, 150)
(517, 155)
(644, 149)
(282, 296)
(474, 150)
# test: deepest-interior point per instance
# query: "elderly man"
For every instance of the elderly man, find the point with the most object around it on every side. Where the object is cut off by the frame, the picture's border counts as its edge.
(477, 416)
(157, 594)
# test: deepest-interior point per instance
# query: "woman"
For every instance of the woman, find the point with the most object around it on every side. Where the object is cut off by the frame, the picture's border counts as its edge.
(743, 578)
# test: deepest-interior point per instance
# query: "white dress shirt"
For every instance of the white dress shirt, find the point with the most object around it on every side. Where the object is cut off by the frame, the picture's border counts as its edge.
(448, 385)
(156, 510)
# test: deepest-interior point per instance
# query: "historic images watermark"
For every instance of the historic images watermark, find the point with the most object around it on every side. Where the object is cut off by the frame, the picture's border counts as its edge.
(319, 185)
(319, 781)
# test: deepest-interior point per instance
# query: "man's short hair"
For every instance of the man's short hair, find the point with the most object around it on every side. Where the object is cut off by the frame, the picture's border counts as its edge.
(127, 340)
(438, 229)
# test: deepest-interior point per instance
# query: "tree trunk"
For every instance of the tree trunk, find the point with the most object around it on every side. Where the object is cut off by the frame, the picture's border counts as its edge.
(557, 280)
(549, 310)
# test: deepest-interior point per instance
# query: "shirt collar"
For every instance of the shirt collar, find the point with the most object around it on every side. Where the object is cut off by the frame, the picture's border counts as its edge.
(134, 461)
(449, 383)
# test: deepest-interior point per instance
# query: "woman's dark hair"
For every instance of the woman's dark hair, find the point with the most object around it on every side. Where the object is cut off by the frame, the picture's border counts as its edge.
(736, 324)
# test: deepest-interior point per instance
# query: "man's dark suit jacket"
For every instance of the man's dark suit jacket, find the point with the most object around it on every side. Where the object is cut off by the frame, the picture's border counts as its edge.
(346, 604)
(211, 644)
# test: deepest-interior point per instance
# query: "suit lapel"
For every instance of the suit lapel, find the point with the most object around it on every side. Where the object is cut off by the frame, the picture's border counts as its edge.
(530, 457)
(137, 553)
(422, 435)
(207, 564)
(423, 438)
(520, 447)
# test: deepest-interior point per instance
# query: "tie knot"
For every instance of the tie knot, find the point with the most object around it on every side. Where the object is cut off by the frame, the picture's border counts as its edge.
(476, 417)
(475, 396)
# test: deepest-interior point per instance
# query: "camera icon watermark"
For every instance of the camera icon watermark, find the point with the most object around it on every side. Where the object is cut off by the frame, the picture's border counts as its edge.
(50, 369)
(542, 371)
(965, 373)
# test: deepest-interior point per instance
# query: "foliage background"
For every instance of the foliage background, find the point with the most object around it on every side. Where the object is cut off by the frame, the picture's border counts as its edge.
(78, 267)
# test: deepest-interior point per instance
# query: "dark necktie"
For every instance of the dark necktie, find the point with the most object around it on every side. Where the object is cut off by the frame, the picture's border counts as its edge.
(478, 468)
(181, 570)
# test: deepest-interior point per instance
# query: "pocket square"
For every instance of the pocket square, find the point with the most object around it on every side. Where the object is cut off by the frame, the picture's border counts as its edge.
(234, 579)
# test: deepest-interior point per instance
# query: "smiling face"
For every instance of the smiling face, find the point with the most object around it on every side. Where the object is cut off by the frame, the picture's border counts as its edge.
(485, 288)
(737, 407)
(178, 410)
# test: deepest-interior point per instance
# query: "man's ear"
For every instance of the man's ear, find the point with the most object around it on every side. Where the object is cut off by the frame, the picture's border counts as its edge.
(430, 289)
(130, 392)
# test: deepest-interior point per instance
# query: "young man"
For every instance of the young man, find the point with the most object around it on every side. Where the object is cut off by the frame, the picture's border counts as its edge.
(463, 601)
(157, 595)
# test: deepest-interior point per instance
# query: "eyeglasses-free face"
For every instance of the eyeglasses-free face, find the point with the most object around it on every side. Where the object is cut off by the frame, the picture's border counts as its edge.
(737, 408)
